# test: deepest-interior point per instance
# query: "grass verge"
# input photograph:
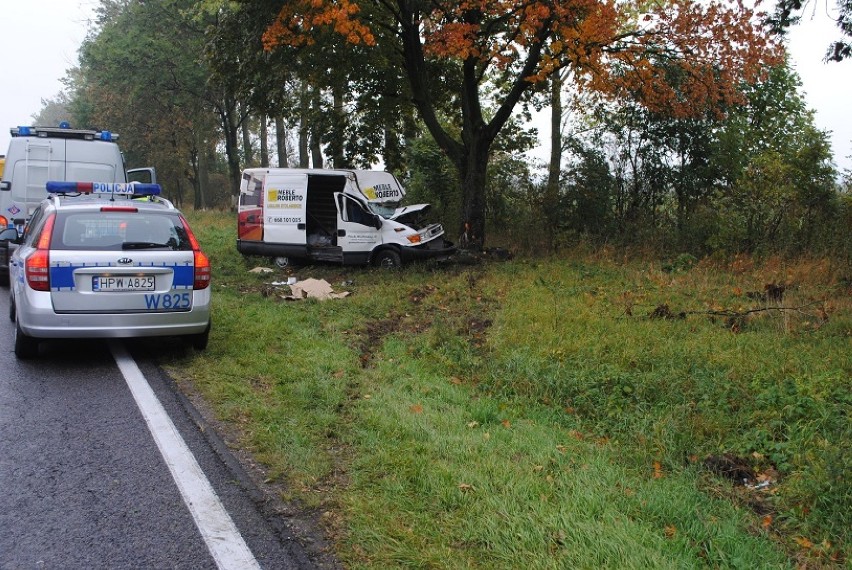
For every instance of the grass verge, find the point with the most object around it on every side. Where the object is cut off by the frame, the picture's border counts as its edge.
(577, 412)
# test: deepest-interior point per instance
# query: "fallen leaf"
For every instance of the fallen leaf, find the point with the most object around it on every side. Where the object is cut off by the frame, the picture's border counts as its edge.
(658, 470)
(473, 424)
(804, 542)
(561, 448)
(465, 487)
(670, 531)
(416, 409)
(767, 522)
(506, 424)
(455, 380)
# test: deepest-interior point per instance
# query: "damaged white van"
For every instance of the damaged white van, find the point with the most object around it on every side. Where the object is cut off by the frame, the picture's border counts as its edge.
(342, 216)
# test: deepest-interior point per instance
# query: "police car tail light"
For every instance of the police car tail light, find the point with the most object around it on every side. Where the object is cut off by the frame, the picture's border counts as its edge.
(37, 267)
(201, 261)
(202, 271)
(4, 223)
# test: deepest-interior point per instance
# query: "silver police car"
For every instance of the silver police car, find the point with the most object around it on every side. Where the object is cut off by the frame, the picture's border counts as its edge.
(101, 260)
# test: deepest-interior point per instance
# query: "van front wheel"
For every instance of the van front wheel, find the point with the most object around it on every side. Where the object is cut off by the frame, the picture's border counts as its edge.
(387, 259)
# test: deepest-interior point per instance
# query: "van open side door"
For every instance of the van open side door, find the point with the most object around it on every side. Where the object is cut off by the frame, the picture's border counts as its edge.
(358, 229)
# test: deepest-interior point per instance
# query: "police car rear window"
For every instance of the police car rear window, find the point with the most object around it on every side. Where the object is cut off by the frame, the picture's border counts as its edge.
(118, 231)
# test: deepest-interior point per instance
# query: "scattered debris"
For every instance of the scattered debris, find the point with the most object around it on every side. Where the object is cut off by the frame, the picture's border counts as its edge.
(664, 312)
(261, 270)
(314, 289)
(737, 469)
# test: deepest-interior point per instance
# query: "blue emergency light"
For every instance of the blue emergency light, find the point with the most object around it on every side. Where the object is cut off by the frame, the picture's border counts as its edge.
(109, 188)
(64, 131)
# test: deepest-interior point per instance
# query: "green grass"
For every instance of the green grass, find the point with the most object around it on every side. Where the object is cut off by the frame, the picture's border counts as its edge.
(531, 414)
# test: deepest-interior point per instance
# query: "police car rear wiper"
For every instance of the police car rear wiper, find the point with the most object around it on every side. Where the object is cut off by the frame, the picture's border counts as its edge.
(143, 245)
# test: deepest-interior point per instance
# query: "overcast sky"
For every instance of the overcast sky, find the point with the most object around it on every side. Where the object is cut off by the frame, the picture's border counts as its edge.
(39, 41)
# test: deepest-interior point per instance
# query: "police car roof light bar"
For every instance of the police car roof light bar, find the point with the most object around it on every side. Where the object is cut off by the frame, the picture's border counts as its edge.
(131, 190)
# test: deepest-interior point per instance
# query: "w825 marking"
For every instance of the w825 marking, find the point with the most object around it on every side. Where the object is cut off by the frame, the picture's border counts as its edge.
(169, 302)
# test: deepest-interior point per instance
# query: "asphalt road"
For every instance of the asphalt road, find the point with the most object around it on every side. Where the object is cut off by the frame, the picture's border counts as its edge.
(83, 484)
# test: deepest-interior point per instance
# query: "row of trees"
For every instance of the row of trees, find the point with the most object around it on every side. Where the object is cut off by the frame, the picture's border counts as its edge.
(679, 120)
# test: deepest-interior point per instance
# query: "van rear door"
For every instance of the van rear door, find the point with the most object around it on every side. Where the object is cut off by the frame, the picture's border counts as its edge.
(250, 209)
(43, 160)
(284, 199)
(93, 161)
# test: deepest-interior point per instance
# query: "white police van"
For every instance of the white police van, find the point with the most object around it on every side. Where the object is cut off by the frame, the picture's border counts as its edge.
(39, 154)
(340, 216)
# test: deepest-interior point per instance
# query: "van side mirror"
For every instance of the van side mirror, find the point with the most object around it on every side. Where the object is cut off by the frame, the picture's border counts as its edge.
(5, 185)
(9, 234)
(146, 175)
(377, 222)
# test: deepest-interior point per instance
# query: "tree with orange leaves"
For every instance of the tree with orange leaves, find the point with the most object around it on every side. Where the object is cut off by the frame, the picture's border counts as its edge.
(678, 56)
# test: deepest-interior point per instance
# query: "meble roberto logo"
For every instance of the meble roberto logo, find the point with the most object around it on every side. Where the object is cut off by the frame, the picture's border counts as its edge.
(381, 191)
(284, 195)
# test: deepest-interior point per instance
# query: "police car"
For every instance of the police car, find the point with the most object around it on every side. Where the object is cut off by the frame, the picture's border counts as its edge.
(108, 260)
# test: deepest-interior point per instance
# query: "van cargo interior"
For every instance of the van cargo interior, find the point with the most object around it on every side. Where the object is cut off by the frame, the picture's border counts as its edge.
(321, 211)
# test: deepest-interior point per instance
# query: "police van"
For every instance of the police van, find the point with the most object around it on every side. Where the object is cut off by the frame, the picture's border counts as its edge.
(342, 216)
(39, 154)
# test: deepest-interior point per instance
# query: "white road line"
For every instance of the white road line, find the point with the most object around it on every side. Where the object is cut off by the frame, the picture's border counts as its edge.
(224, 541)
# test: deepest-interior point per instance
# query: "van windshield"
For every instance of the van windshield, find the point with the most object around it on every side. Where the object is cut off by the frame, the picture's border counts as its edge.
(385, 210)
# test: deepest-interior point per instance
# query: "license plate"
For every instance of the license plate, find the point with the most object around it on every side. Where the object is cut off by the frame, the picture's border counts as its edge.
(123, 283)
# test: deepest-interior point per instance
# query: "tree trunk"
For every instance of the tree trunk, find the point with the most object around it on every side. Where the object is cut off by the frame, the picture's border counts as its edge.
(554, 171)
(304, 156)
(337, 140)
(281, 142)
(203, 172)
(230, 128)
(316, 130)
(264, 143)
(316, 152)
(200, 166)
(304, 126)
(248, 150)
(473, 169)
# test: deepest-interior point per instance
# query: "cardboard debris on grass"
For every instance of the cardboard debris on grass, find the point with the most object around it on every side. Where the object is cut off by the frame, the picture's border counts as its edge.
(308, 289)
(314, 289)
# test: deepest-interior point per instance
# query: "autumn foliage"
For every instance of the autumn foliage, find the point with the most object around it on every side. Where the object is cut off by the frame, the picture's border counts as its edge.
(680, 57)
